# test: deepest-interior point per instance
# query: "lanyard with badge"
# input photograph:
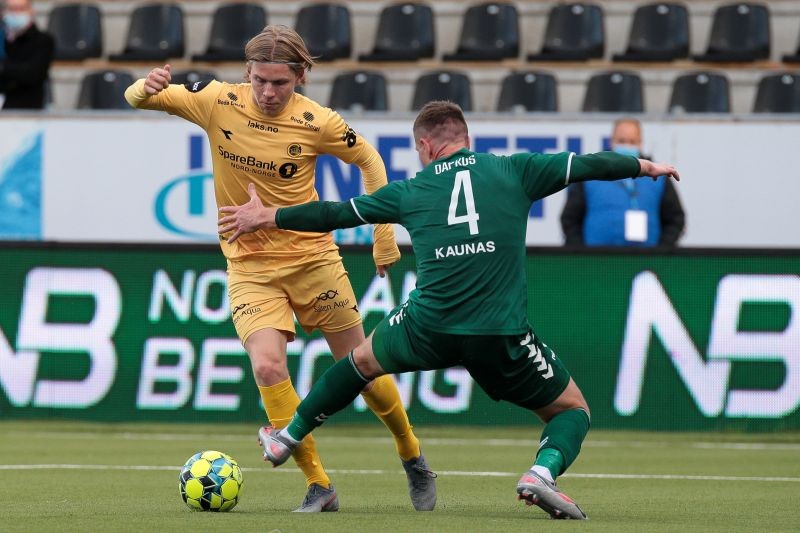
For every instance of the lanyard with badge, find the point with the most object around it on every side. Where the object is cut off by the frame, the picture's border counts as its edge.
(635, 218)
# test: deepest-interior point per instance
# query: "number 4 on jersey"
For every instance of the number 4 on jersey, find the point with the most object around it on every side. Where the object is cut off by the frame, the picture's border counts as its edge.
(463, 181)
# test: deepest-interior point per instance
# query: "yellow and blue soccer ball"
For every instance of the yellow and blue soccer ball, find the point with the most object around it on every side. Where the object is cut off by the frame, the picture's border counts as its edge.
(211, 481)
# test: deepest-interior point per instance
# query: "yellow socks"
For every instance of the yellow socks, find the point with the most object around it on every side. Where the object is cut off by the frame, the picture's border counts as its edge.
(280, 403)
(384, 400)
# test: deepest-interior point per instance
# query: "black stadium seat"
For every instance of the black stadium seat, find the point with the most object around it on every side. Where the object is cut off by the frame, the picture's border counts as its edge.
(739, 32)
(490, 32)
(795, 57)
(700, 92)
(326, 30)
(778, 93)
(104, 89)
(405, 33)
(659, 32)
(359, 90)
(232, 26)
(443, 85)
(528, 91)
(155, 33)
(77, 31)
(574, 32)
(612, 92)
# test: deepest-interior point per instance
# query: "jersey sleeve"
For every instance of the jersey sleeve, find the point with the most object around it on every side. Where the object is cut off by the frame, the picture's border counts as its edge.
(340, 140)
(193, 102)
(384, 206)
(543, 174)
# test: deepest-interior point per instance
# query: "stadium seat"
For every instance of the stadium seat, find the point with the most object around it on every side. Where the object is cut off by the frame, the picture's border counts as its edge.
(359, 91)
(77, 31)
(574, 32)
(490, 32)
(232, 26)
(795, 57)
(778, 93)
(326, 30)
(612, 92)
(155, 33)
(405, 33)
(739, 33)
(528, 91)
(659, 32)
(443, 85)
(191, 76)
(104, 89)
(700, 92)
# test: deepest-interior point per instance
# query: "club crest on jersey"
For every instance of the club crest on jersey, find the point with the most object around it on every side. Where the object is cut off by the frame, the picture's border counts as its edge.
(294, 150)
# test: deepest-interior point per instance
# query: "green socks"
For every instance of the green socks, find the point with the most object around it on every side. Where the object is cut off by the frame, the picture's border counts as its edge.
(561, 440)
(334, 391)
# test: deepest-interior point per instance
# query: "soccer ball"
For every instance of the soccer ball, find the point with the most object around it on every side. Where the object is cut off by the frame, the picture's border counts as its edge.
(210, 481)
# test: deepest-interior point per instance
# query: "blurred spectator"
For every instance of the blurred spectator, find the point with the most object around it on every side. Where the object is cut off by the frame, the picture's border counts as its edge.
(626, 212)
(28, 54)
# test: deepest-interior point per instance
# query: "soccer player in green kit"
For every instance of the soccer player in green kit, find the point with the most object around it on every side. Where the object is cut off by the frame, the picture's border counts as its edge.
(467, 216)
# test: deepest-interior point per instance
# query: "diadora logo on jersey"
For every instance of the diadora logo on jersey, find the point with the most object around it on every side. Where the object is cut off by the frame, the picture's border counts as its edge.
(305, 121)
(268, 128)
(294, 150)
(227, 133)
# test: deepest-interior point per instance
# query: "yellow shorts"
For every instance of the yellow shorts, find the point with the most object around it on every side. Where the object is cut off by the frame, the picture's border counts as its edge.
(264, 294)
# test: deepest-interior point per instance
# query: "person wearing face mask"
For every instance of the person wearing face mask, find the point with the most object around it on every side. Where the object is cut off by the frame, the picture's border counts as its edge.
(28, 54)
(627, 212)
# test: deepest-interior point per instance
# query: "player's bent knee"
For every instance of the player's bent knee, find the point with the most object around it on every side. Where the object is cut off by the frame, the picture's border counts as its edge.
(367, 365)
(269, 370)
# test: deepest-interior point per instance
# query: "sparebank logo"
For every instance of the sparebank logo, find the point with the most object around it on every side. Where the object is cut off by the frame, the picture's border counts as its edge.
(708, 379)
(186, 206)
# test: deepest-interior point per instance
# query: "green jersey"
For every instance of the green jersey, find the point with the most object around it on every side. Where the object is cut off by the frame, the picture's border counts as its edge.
(467, 216)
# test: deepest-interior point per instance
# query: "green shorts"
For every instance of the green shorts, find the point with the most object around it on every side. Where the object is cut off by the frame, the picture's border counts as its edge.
(520, 368)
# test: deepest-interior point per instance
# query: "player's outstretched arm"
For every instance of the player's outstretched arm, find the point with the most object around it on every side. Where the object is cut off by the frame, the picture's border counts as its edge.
(613, 166)
(314, 216)
(156, 81)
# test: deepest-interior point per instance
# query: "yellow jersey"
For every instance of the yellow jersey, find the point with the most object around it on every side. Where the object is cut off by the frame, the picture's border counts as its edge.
(278, 154)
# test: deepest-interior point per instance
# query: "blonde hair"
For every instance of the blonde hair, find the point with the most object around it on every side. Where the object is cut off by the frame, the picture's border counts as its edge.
(279, 44)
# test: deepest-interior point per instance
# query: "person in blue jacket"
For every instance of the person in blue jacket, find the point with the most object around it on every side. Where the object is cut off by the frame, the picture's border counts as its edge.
(626, 212)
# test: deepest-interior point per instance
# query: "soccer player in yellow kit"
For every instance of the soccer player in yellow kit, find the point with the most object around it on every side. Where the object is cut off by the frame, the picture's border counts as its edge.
(264, 132)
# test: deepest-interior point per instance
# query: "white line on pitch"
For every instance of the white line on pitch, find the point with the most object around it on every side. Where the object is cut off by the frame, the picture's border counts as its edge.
(393, 472)
(435, 441)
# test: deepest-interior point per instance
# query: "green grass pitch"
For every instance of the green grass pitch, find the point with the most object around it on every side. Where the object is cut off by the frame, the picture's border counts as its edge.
(72, 476)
